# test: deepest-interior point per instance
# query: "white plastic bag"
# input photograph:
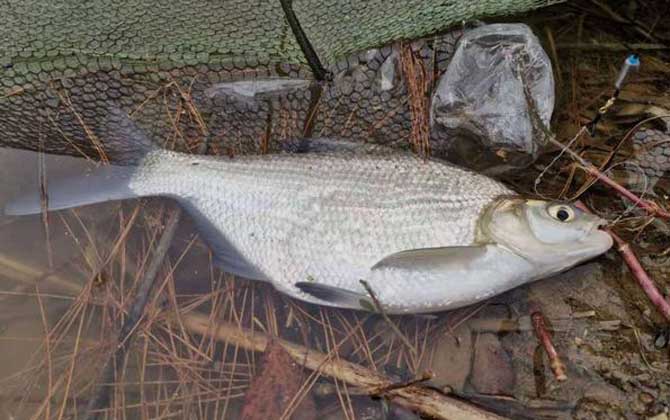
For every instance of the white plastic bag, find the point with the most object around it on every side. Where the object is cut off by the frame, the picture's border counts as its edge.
(497, 75)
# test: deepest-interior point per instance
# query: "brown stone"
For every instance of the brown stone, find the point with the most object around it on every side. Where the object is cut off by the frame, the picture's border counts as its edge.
(449, 358)
(492, 371)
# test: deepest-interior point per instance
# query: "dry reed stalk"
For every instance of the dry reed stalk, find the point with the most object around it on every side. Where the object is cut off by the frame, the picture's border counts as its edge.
(651, 207)
(639, 273)
(557, 367)
(380, 309)
(641, 276)
(418, 84)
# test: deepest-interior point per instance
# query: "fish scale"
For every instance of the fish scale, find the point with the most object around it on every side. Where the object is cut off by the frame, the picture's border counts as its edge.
(333, 215)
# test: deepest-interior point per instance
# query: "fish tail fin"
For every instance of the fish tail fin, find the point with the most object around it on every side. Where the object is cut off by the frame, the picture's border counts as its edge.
(104, 183)
(125, 142)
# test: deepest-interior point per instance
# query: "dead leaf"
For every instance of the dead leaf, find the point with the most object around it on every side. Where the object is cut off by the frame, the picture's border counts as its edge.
(274, 388)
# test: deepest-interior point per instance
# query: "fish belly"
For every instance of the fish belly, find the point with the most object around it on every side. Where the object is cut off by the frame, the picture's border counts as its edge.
(418, 290)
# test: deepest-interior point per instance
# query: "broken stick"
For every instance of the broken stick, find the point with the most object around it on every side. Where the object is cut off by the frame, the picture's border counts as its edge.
(427, 401)
(639, 273)
(545, 339)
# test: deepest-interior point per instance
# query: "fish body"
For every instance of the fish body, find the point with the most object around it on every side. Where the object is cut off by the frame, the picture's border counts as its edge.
(326, 218)
(423, 234)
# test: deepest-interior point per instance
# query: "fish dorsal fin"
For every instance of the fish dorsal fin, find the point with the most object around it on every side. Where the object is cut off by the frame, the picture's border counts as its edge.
(334, 145)
(429, 258)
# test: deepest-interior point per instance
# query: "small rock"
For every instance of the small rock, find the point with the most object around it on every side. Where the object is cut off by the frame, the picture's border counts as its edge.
(646, 398)
(661, 339)
(449, 359)
(660, 416)
(400, 413)
(492, 371)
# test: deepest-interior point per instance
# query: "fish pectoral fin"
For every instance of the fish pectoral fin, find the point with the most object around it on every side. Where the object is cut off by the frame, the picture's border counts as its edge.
(432, 258)
(336, 295)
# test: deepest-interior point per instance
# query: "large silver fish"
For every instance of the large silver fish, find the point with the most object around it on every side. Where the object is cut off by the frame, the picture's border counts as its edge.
(425, 235)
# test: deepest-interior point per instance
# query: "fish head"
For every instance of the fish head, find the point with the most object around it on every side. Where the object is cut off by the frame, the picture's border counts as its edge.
(552, 235)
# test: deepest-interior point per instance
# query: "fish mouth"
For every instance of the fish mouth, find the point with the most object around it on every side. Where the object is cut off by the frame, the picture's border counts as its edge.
(596, 238)
(597, 224)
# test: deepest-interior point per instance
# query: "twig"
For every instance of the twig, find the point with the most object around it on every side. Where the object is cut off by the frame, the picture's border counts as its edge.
(101, 400)
(651, 207)
(29, 275)
(44, 201)
(613, 47)
(643, 279)
(639, 273)
(427, 376)
(429, 402)
(543, 335)
(618, 18)
(554, 56)
(47, 346)
(380, 310)
(524, 323)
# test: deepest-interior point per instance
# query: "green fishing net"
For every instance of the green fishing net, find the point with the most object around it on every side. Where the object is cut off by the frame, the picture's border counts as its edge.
(64, 64)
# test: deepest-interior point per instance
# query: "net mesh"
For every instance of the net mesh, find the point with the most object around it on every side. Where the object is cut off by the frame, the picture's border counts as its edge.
(64, 64)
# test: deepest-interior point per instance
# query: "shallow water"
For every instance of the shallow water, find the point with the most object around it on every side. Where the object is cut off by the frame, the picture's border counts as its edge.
(77, 284)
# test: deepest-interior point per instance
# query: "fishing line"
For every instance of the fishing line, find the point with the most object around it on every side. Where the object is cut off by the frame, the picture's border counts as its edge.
(564, 149)
(646, 186)
(632, 63)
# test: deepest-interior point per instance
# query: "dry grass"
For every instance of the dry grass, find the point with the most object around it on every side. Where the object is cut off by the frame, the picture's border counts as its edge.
(170, 369)
(173, 370)
(418, 81)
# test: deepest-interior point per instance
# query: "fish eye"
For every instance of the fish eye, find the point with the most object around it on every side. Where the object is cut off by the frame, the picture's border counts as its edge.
(562, 213)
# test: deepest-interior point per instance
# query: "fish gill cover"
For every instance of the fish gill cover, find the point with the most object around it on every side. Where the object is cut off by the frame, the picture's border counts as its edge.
(64, 64)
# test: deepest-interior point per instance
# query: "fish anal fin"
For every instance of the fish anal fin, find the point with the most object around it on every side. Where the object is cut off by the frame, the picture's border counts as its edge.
(336, 296)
